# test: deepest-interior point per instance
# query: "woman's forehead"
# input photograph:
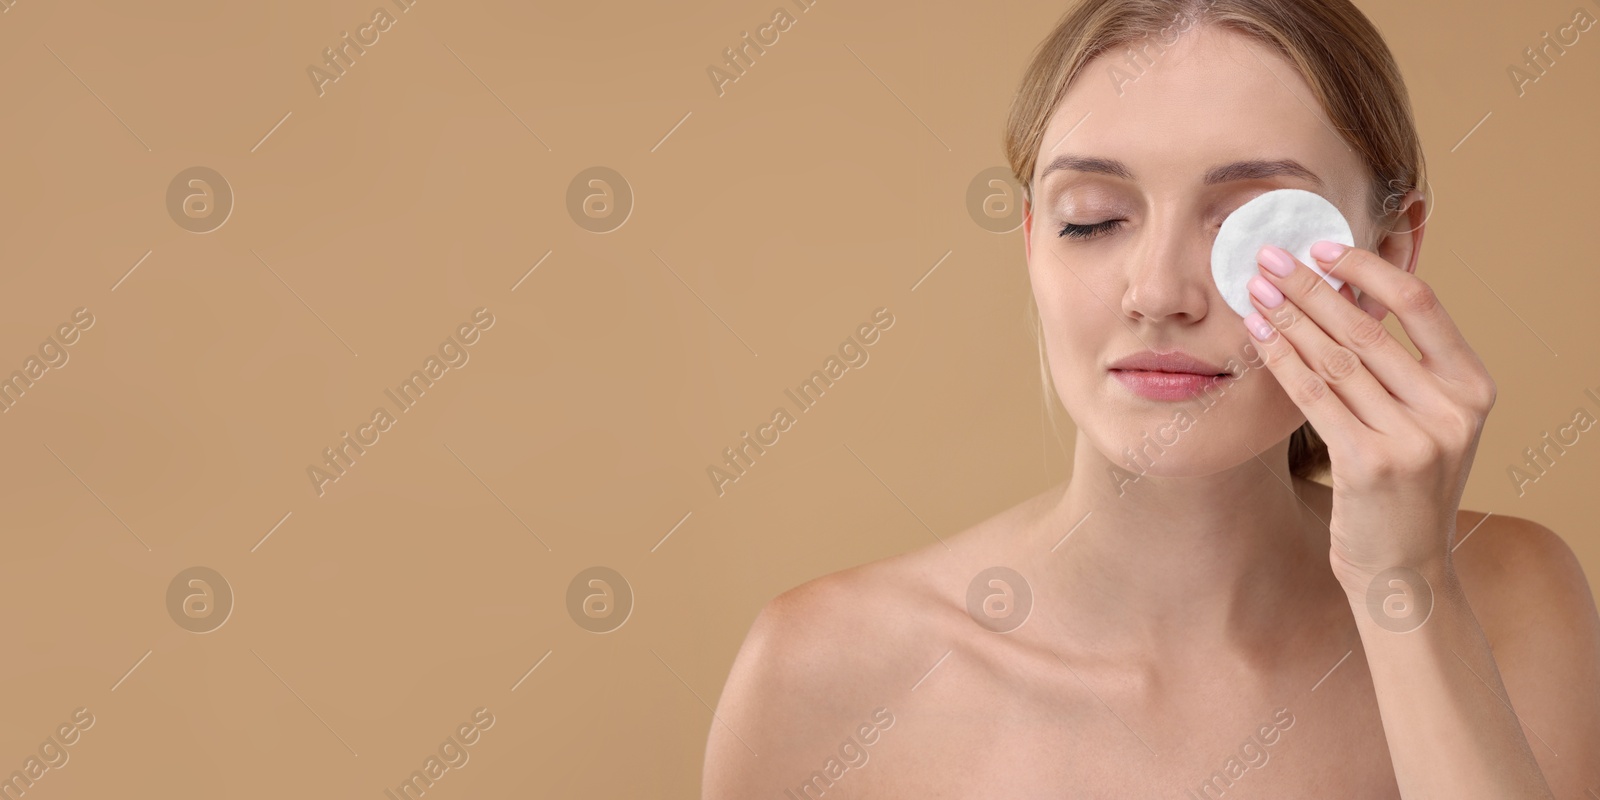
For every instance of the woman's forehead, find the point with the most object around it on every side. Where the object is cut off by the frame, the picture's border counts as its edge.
(1213, 97)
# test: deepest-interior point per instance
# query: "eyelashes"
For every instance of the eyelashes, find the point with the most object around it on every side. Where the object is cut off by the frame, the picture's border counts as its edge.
(1072, 231)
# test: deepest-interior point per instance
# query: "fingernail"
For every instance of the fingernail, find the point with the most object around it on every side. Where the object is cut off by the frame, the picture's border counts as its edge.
(1264, 291)
(1276, 260)
(1327, 251)
(1258, 326)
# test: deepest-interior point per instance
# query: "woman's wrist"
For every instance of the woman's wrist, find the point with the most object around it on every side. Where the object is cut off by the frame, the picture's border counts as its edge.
(1396, 593)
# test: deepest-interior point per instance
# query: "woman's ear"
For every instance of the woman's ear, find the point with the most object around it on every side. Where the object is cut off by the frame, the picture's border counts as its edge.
(1400, 243)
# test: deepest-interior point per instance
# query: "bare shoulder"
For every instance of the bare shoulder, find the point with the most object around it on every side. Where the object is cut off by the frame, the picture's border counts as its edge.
(819, 662)
(1530, 595)
(831, 658)
(854, 622)
(1514, 567)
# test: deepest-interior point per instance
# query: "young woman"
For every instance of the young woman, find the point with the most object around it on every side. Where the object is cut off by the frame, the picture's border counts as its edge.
(1191, 615)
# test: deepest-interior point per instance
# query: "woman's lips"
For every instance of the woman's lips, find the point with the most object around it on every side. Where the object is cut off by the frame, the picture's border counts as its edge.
(1167, 386)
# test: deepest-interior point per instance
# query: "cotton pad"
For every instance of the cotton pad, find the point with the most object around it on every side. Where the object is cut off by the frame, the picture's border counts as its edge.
(1293, 219)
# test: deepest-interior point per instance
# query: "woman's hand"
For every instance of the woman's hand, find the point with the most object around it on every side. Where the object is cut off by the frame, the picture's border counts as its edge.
(1401, 433)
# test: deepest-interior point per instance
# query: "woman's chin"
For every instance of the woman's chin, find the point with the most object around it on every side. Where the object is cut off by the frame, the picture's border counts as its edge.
(1183, 445)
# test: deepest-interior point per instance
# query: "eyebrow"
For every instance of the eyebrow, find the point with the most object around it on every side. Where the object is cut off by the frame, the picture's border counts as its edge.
(1236, 171)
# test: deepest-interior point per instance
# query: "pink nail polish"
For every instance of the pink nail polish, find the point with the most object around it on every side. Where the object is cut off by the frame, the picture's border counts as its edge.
(1327, 252)
(1258, 326)
(1264, 291)
(1276, 260)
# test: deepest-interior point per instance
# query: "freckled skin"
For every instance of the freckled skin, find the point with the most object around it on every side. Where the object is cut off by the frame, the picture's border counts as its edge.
(1172, 615)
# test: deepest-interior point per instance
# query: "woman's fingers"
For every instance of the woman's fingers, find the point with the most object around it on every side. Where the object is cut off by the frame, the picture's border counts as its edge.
(1323, 408)
(1338, 366)
(1444, 350)
(1373, 308)
(1388, 360)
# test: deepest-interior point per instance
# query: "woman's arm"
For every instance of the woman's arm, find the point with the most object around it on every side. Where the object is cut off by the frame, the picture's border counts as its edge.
(1452, 727)
(767, 682)
(1401, 436)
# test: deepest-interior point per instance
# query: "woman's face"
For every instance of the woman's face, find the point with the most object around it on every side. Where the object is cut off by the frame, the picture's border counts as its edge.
(1160, 154)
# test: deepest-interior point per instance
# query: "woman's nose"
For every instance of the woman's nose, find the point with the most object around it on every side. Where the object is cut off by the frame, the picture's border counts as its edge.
(1169, 279)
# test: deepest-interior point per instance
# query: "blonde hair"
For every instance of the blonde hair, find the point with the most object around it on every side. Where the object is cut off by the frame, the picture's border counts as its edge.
(1335, 48)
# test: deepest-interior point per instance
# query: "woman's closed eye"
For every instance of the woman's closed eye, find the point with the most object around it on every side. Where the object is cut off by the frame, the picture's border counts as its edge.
(1074, 231)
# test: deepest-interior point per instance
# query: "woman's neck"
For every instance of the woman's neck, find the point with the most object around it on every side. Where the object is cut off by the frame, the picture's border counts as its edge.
(1161, 565)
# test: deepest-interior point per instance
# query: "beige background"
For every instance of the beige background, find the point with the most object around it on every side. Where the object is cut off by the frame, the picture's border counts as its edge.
(769, 223)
